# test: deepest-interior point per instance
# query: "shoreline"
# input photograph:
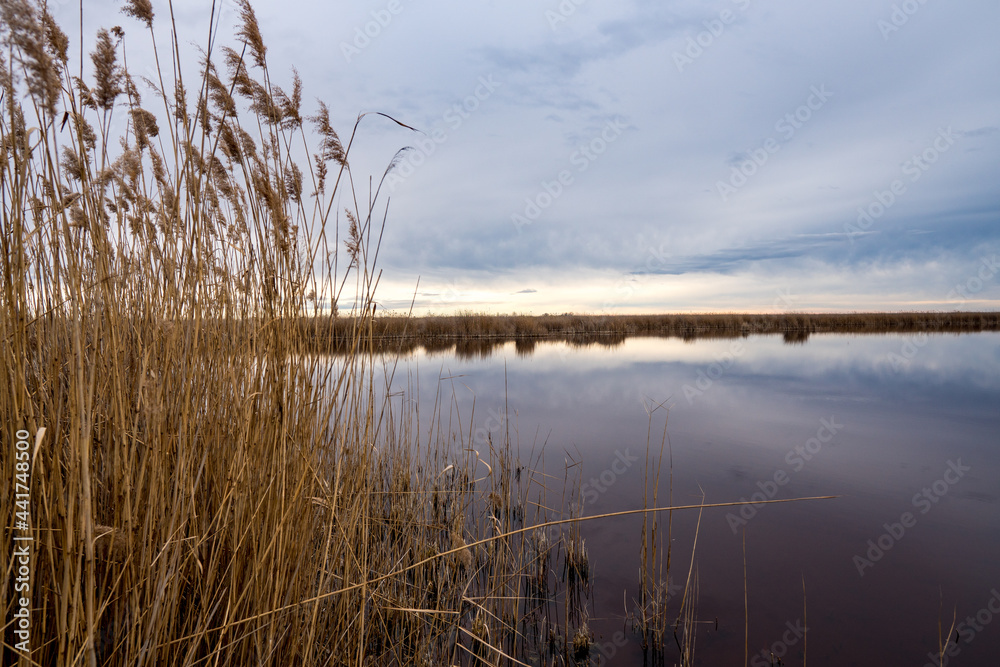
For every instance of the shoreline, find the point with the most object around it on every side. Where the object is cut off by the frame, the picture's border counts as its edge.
(794, 326)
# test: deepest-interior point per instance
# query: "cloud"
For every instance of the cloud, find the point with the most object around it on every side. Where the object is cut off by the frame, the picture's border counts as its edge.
(647, 210)
(981, 132)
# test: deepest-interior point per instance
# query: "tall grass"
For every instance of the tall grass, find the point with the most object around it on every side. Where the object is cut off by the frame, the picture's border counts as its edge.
(205, 491)
(205, 488)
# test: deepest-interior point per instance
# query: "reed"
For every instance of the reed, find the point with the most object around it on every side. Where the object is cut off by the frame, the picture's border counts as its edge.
(470, 335)
(205, 490)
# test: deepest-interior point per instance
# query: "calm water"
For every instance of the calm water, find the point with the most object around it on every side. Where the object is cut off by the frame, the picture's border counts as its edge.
(906, 430)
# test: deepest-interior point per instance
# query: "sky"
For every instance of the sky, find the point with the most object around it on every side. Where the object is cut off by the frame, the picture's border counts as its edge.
(657, 156)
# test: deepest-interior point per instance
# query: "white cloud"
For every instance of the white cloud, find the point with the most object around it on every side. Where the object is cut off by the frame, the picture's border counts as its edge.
(657, 184)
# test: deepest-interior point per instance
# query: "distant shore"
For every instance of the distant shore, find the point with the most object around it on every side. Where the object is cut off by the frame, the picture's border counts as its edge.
(442, 331)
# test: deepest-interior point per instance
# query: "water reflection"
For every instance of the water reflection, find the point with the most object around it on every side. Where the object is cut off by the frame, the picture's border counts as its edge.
(525, 347)
(484, 347)
(877, 420)
(795, 337)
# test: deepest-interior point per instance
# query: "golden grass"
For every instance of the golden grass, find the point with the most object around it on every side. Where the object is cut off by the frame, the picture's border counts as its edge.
(206, 491)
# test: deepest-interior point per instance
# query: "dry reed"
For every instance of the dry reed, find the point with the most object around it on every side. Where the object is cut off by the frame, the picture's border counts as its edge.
(206, 491)
(478, 335)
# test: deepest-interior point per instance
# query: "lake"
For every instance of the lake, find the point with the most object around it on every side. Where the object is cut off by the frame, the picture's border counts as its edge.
(904, 429)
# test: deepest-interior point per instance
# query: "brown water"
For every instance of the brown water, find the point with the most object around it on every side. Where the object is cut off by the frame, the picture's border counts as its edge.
(906, 430)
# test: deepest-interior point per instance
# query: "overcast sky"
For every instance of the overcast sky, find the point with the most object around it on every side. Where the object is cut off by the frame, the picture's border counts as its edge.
(642, 155)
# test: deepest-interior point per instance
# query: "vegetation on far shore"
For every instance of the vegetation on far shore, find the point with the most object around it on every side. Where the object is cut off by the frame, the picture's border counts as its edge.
(479, 332)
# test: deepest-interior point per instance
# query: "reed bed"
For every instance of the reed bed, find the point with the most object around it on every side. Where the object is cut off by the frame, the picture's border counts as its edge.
(472, 335)
(203, 489)
(206, 489)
